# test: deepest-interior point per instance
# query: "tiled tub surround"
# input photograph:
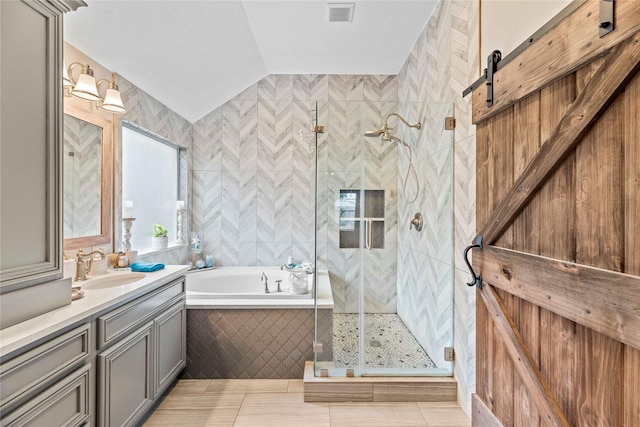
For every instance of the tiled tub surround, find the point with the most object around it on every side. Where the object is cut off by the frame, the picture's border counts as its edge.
(254, 337)
(252, 343)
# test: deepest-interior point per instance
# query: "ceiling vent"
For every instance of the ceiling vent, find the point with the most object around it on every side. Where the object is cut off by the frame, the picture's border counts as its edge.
(341, 12)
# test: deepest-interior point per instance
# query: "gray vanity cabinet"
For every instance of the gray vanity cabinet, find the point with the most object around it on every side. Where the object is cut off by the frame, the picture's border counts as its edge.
(141, 350)
(107, 370)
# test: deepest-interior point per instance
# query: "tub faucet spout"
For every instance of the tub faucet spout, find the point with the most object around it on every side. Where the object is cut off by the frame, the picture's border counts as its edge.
(264, 279)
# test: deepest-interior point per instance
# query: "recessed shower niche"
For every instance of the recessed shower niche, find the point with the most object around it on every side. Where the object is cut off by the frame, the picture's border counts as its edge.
(351, 217)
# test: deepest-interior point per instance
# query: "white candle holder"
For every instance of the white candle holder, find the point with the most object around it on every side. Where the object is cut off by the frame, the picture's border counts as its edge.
(127, 222)
(180, 238)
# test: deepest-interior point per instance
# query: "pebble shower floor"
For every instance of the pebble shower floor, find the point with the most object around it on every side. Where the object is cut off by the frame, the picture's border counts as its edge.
(388, 342)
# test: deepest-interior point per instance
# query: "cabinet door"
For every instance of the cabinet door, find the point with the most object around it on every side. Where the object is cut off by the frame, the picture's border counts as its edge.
(31, 134)
(171, 344)
(124, 379)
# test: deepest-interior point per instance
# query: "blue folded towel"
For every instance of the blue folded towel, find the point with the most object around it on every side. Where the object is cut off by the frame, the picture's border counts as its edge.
(146, 266)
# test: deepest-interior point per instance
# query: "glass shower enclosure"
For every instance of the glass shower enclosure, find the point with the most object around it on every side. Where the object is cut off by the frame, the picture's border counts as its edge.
(391, 277)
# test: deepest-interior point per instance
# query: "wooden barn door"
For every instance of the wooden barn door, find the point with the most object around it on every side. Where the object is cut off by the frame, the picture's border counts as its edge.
(558, 209)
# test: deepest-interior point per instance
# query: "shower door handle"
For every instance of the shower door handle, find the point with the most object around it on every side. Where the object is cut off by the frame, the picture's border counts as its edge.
(369, 234)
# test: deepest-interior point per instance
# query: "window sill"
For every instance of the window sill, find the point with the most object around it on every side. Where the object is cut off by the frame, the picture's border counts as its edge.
(170, 248)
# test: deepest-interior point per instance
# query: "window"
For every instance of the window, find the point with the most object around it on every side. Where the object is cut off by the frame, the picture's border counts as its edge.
(151, 179)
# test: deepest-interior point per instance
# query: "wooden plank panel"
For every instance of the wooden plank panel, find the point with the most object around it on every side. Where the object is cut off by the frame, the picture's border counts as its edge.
(526, 226)
(557, 346)
(557, 209)
(584, 74)
(501, 165)
(598, 385)
(526, 229)
(599, 204)
(618, 69)
(503, 371)
(484, 327)
(481, 415)
(482, 173)
(484, 350)
(631, 393)
(603, 300)
(632, 177)
(522, 359)
(528, 323)
(557, 221)
(558, 53)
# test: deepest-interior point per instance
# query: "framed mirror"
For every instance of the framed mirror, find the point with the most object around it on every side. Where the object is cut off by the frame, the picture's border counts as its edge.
(87, 178)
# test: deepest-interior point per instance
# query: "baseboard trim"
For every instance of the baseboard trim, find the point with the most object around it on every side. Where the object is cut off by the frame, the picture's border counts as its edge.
(377, 389)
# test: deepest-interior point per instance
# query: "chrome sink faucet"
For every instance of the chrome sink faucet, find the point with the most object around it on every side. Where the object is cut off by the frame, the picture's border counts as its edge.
(264, 279)
(84, 267)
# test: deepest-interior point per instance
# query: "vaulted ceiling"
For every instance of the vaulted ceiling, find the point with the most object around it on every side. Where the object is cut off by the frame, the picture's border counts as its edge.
(195, 55)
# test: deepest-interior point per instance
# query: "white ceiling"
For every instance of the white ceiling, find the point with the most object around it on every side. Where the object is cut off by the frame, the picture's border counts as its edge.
(195, 55)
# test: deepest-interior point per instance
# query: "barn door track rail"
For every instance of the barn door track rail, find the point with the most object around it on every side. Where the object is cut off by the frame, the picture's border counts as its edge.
(606, 26)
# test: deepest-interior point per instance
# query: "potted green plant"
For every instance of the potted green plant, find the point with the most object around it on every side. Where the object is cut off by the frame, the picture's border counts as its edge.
(160, 239)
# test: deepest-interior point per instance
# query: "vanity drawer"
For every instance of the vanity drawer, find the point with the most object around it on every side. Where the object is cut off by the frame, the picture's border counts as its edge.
(66, 403)
(32, 369)
(121, 321)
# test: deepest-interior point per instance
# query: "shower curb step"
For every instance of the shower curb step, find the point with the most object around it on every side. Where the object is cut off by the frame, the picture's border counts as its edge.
(377, 389)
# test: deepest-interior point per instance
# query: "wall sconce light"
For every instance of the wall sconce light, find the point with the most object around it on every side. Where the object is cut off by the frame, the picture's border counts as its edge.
(85, 87)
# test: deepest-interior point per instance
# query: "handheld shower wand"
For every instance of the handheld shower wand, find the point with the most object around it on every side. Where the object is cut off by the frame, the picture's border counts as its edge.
(385, 134)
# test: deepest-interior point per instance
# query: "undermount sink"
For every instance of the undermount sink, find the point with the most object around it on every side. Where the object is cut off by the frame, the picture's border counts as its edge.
(112, 280)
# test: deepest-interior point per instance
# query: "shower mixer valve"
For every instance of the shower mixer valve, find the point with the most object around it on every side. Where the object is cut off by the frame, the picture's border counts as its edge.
(417, 221)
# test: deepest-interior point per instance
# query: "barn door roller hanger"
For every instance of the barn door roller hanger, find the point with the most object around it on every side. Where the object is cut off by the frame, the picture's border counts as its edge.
(606, 22)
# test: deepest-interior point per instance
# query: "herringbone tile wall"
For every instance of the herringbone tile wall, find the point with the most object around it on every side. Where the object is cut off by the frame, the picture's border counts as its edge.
(253, 178)
(443, 62)
(425, 270)
(345, 159)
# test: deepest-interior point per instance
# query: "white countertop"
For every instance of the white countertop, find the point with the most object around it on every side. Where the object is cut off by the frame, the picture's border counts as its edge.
(94, 301)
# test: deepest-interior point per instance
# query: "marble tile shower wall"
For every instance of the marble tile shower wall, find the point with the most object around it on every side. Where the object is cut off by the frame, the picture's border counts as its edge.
(253, 178)
(345, 158)
(425, 270)
(442, 63)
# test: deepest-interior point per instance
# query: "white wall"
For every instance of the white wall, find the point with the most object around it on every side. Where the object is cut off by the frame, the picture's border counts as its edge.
(507, 23)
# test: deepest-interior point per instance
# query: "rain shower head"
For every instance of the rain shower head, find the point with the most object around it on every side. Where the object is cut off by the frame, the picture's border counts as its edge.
(375, 133)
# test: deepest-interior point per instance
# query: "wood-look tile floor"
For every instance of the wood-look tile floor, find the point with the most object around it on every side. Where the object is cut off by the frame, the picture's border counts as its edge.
(280, 403)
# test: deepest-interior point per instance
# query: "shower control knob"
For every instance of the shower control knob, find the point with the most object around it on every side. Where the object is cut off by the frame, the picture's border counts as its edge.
(417, 221)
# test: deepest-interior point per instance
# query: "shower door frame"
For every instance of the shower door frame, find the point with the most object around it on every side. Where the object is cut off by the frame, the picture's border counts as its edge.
(361, 369)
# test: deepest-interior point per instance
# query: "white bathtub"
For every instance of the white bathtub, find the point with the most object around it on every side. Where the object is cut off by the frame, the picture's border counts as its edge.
(240, 287)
